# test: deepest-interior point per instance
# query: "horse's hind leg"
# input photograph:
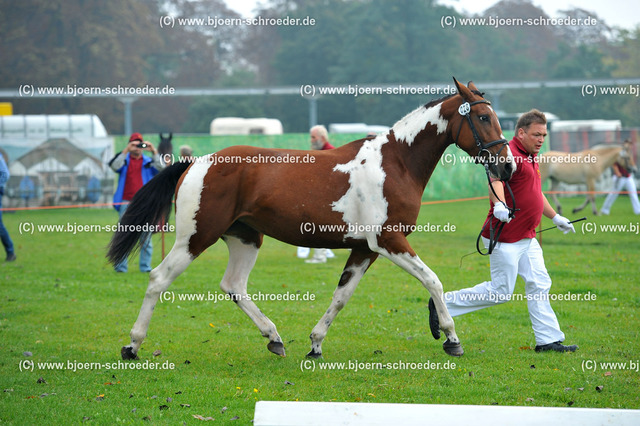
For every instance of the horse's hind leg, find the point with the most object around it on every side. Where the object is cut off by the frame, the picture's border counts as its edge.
(591, 198)
(159, 280)
(357, 264)
(243, 252)
(581, 206)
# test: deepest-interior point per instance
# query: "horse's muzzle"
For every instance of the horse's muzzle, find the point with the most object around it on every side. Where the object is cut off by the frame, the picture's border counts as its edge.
(500, 167)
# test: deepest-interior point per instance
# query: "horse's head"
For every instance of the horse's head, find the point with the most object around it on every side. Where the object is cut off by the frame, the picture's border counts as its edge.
(165, 147)
(474, 127)
(626, 155)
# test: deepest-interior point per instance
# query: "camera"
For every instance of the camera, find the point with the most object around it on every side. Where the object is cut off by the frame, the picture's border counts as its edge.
(142, 145)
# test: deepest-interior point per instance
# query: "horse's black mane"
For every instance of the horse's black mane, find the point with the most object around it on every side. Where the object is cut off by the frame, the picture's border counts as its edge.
(437, 101)
(444, 98)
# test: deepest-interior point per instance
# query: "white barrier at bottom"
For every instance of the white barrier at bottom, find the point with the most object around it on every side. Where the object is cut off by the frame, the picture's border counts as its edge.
(299, 413)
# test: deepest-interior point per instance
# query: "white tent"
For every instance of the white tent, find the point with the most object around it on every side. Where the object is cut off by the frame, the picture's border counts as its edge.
(62, 157)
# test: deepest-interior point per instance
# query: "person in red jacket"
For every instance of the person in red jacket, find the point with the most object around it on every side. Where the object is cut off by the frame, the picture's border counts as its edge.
(319, 142)
(320, 138)
(134, 170)
(517, 251)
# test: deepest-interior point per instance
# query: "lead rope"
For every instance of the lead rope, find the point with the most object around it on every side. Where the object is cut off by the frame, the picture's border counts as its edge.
(494, 233)
(464, 110)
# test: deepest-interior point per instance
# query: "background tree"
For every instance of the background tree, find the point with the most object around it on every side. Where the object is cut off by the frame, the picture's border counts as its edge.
(121, 42)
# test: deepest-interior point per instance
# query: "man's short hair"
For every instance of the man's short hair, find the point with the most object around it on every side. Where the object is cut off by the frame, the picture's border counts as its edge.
(186, 151)
(528, 118)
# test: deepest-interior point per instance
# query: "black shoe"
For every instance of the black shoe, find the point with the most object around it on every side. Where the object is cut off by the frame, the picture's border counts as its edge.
(556, 346)
(434, 323)
(11, 257)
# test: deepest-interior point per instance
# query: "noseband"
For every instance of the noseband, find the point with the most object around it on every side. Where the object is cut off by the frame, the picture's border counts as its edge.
(494, 234)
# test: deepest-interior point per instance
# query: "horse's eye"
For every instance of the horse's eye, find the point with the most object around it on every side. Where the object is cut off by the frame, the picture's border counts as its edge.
(484, 118)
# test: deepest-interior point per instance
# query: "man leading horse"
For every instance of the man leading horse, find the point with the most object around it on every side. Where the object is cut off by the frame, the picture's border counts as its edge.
(517, 251)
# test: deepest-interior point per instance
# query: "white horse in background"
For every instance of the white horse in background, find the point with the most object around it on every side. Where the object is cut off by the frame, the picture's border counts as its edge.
(584, 167)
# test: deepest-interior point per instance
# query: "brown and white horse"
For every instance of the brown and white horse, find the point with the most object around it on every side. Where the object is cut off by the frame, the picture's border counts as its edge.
(584, 167)
(375, 184)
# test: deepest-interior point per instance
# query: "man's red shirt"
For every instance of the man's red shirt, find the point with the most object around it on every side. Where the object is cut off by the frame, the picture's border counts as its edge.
(327, 145)
(527, 190)
(133, 182)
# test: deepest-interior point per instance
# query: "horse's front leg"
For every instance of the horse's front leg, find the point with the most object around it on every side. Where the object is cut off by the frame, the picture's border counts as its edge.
(357, 264)
(592, 188)
(396, 248)
(554, 188)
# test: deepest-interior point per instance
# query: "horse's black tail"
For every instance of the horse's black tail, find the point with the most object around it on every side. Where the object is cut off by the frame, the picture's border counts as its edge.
(149, 208)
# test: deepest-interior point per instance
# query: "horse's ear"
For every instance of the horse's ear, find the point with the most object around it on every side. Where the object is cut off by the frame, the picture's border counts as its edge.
(170, 135)
(457, 84)
(462, 90)
(472, 86)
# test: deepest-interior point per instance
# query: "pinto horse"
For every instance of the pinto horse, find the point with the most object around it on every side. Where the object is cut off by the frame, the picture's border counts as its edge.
(584, 167)
(241, 193)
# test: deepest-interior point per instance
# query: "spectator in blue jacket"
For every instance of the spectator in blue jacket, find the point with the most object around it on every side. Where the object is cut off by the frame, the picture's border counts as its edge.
(4, 234)
(135, 170)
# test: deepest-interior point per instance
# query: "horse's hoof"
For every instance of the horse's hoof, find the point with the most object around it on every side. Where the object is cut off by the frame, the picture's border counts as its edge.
(314, 354)
(127, 353)
(276, 347)
(434, 323)
(453, 349)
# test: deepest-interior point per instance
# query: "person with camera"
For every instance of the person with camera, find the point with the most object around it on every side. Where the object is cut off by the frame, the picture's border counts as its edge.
(4, 234)
(134, 170)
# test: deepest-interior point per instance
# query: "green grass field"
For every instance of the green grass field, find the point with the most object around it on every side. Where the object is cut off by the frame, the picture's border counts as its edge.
(60, 303)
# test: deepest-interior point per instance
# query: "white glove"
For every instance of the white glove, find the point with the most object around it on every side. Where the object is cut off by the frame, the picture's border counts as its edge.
(501, 212)
(563, 224)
